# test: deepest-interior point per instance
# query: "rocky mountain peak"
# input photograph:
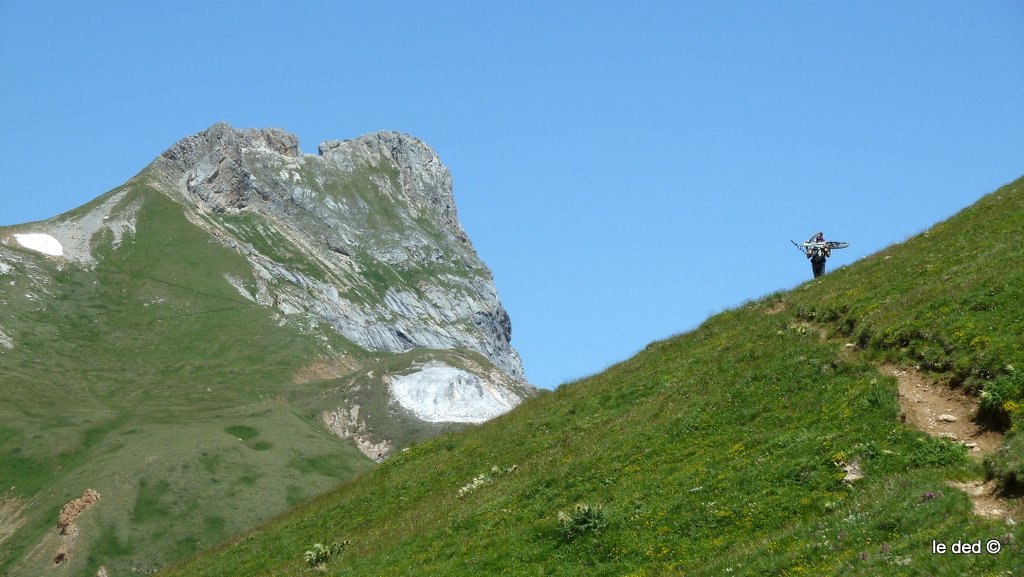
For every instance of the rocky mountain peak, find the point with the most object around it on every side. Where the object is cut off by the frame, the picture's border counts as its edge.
(366, 209)
(422, 175)
(213, 163)
(268, 302)
(222, 140)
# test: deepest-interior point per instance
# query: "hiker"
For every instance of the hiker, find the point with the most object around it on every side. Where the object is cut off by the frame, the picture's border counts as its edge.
(818, 254)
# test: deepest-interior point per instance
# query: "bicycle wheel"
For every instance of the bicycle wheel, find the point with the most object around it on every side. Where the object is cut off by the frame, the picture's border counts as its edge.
(836, 244)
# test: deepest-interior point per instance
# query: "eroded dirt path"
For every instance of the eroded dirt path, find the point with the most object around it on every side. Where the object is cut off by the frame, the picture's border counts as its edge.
(986, 499)
(947, 413)
(941, 411)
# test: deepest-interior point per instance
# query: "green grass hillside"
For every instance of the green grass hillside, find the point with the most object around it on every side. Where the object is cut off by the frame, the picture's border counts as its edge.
(194, 412)
(134, 379)
(715, 452)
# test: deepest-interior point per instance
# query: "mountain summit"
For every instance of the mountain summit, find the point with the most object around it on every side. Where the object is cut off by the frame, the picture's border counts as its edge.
(218, 322)
(387, 262)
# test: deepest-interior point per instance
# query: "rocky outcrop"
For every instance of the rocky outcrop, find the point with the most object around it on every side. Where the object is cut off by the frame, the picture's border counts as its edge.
(384, 260)
(347, 424)
(70, 512)
(67, 529)
(213, 162)
(424, 180)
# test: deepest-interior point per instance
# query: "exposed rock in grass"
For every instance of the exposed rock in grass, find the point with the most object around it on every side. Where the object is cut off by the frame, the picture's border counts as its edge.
(853, 472)
(70, 512)
(67, 528)
(347, 425)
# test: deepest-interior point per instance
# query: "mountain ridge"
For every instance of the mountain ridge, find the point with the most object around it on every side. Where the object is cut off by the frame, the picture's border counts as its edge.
(237, 314)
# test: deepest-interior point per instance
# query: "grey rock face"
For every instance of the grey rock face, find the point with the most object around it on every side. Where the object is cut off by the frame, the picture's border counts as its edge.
(364, 237)
(426, 182)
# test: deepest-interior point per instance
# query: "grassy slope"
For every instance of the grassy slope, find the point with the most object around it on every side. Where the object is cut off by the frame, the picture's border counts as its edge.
(151, 380)
(714, 452)
(128, 381)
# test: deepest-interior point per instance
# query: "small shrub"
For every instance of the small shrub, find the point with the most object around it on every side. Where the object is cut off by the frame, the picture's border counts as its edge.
(881, 395)
(1000, 397)
(583, 519)
(1007, 464)
(319, 554)
(937, 452)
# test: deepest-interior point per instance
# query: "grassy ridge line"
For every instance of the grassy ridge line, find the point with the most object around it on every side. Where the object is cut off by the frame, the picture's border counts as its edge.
(948, 299)
(148, 357)
(715, 452)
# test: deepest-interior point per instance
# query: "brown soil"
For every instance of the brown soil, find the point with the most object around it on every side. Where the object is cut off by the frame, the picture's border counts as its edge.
(322, 370)
(925, 404)
(72, 510)
(985, 496)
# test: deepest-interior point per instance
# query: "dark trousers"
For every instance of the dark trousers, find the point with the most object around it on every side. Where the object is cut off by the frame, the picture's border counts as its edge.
(818, 266)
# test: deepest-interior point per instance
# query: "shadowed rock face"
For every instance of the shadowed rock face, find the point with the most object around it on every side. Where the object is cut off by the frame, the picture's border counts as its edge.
(390, 266)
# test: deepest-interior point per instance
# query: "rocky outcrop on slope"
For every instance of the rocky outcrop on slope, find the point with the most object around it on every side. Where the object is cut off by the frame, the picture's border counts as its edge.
(370, 227)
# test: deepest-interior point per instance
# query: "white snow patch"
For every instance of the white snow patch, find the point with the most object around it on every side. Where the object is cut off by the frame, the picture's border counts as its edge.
(439, 393)
(4, 267)
(40, 242)
(6, 341)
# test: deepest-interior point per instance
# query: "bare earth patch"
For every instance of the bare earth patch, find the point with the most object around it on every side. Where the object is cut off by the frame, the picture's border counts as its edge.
(986, 499)
(323, 369)
(947, 413)
(347, 425)
(11, 517)
(941, 411)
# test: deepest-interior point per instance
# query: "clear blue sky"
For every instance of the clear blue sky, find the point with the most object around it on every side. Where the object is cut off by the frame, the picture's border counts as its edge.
(624, 168)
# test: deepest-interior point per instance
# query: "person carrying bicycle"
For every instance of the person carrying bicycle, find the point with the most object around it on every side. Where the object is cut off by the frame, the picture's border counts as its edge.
(817, 252)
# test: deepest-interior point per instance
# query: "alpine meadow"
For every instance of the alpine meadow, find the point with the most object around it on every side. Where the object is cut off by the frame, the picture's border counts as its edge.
(249, 361)
(768, 441)
(235, 330)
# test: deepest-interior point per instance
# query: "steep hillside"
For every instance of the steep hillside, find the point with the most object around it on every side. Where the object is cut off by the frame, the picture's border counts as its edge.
(734, 449)
(236, 329)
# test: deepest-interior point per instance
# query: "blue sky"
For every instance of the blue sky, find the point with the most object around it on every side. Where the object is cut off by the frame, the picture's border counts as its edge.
(624, 168)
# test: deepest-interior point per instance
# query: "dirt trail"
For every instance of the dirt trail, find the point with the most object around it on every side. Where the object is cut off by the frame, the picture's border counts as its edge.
(986, 499)
(941, 411)
(947, 413)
